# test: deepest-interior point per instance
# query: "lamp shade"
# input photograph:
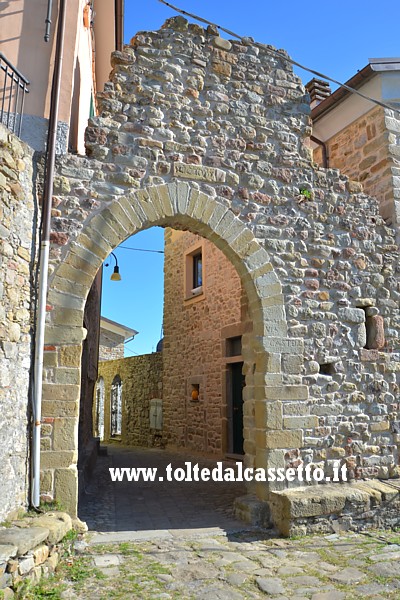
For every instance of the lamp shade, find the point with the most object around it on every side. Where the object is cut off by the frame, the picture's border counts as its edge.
(116, 276)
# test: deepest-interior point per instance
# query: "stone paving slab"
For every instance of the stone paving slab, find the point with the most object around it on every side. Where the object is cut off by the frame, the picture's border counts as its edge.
(116, 537)
(230, 567)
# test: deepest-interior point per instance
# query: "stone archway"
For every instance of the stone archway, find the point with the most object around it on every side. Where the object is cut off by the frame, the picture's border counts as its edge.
(205, 134)
(178, 205)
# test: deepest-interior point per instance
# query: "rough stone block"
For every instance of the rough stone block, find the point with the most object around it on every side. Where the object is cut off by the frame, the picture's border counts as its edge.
(60, 408)
(380, 426)
(65, 434)
(351, 315)
(24, 539)
(26, 565)
(70, 356)
(58, 525)
(251, 510)
(296, 409)
(267, 459)
(268, 414)
(7, 551)
(286, 392)
(375, 332)
(305, 422)
(220, 42)
(67, 375)
(280, 439)
(52, 391)
(292, 363)
(59, 459)
(68, 316)
(66, 488)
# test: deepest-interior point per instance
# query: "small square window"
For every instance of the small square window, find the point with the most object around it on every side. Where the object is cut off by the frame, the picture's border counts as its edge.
(234, 346)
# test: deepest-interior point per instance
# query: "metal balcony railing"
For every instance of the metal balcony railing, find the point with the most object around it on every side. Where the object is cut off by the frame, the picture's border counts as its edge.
(13, 87)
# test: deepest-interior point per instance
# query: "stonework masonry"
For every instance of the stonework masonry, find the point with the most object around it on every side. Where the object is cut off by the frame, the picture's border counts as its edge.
(367, 151)
(17, 239)
(141, 378)
(316, 261)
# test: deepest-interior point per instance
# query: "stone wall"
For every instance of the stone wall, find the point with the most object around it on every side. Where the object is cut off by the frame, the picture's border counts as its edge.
(17, 239)
(31, 549)
(193, 350)
(141, 378)
(203, 134)
(367, 151)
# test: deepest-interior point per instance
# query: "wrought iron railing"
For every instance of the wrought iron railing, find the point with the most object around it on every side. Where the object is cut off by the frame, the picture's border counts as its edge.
(13, 87)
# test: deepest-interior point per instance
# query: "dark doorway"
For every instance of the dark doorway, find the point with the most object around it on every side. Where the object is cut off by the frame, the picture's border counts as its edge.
(236, 385)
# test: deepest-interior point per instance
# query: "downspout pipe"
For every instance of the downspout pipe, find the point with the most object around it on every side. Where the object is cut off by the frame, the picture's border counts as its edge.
(44, 254)
(48, 20)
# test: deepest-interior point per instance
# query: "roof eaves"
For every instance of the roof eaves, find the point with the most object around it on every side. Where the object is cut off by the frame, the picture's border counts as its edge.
(127, 330)
(385, 64)
(342, 93)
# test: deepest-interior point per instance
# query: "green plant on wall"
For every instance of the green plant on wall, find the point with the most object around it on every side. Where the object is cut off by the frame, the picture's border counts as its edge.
(306, 193)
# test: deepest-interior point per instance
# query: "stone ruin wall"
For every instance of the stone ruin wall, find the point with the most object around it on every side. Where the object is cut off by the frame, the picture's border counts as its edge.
(17, 239)
(231, 120)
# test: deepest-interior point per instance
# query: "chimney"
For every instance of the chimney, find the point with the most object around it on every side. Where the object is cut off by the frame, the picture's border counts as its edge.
(318, 90)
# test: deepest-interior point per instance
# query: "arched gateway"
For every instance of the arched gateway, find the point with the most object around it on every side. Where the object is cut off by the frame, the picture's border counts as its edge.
(199, 133)
(180, 206)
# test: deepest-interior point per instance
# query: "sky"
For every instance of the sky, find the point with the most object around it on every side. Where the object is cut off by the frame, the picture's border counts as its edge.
(334, 38)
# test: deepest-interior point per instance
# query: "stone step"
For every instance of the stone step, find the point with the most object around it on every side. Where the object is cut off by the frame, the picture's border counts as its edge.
(291, 509)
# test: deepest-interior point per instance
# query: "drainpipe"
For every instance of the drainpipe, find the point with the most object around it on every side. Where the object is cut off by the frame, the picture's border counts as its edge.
(325, 158)
(44, 253)
(48, 20)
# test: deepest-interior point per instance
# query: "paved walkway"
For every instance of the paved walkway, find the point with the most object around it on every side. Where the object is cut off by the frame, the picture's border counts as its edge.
(197, 551)
(159, 506)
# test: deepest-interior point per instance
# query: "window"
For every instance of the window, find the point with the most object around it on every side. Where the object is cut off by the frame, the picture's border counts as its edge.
(116, 406)
(194, 272)
(234, 346)
(99, 419)
(197, 271)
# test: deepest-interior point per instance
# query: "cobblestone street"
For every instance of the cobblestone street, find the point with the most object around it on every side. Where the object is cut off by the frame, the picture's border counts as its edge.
(164, 506)
(190, 547)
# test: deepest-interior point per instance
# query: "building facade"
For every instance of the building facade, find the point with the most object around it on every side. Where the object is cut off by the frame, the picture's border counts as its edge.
(362, 140)
(112, 339)
(128, 401)
(26, 72)
(204, 318)
(91, 36)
